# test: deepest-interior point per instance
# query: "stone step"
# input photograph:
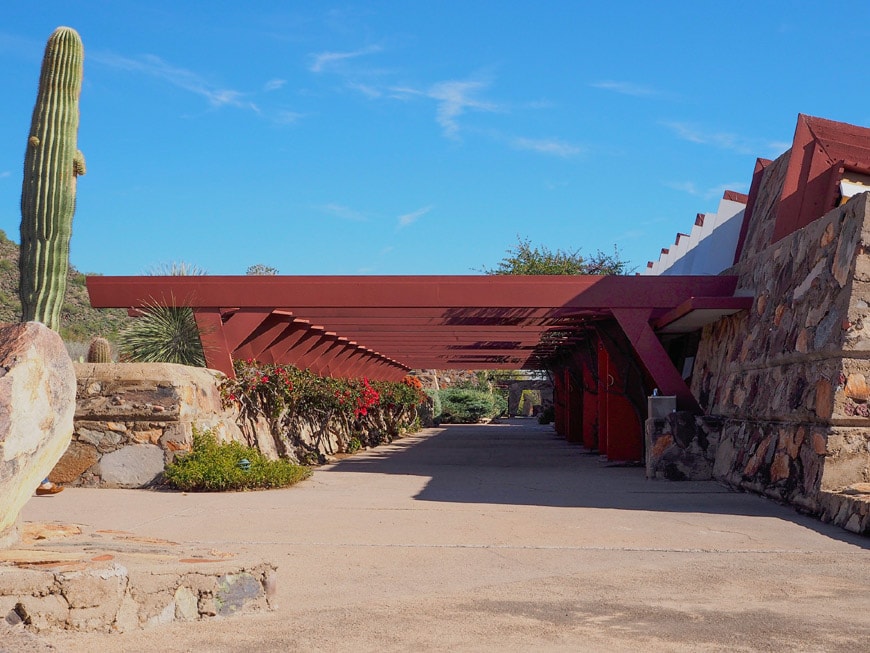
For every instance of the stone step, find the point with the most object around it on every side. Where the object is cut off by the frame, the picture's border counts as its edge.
(847, 508)
(62, 577)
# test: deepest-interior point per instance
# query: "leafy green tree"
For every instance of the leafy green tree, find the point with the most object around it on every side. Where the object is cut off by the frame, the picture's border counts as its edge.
(523, 258)
(259, 269)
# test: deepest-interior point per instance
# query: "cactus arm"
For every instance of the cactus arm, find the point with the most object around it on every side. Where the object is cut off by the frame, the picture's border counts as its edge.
(79, 167)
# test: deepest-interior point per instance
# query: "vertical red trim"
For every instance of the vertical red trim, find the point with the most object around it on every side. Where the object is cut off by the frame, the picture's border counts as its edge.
(603, 394)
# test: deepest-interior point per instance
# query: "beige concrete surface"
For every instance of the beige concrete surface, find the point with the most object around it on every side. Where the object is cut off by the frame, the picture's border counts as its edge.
(501, 538)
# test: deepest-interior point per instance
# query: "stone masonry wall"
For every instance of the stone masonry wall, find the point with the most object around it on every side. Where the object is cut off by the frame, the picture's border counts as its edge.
(132, 418)
(790, 375)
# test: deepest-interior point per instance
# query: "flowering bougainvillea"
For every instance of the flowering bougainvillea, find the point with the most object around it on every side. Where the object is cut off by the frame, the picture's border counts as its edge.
(285, 396)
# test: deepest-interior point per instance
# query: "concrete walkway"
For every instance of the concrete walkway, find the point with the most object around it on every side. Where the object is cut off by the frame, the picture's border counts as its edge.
(501, 537)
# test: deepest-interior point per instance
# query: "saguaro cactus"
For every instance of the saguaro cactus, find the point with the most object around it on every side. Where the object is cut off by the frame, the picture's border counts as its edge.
(48, 194)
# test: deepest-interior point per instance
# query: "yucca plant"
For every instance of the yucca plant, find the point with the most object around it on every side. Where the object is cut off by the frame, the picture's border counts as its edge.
(163, 334)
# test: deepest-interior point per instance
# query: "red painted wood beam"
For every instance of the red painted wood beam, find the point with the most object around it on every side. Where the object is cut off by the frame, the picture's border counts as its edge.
(468, 322)
(324, 354)
(289, 341)
(512, 293)
(340, 366)
(635, 324)
(261, 338)
(240, 325)
(214, 344)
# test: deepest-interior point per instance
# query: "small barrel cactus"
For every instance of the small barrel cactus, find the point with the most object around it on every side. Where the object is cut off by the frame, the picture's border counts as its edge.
(100, 351)
(51, 165)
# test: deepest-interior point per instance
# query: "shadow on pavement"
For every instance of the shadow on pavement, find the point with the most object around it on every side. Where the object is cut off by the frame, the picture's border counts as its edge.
(519, 462)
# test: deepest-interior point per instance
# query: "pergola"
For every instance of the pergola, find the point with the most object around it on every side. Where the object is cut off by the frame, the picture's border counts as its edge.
(383, 326)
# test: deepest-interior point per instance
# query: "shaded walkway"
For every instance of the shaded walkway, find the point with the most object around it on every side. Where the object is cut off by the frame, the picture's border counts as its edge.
(502, 537)
(520, 462)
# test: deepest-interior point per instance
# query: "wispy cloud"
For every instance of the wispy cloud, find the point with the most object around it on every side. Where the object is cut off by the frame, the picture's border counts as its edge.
(726, 140)
(154, 66)
(369, 91)
(285, 117)
(546, 146)
(343, 212)
(274, 84)
(630, 234)
(20, 45)
(411, 218)
(626, 88)
(322, 61)
(715, 192)
(453, 98)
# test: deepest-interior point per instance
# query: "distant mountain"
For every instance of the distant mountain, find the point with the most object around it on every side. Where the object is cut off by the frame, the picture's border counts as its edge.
(79, 322)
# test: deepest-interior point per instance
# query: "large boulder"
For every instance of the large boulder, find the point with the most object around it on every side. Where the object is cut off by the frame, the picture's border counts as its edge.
(37, 404)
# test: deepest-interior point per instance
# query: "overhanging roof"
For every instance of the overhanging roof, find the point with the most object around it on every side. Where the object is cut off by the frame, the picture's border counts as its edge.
(386, 325)
(697, 312)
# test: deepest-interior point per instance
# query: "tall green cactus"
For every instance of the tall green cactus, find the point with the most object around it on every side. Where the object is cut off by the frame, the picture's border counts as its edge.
(48, 194)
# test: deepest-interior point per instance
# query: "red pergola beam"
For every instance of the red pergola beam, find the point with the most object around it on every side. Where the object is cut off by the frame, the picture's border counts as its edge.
(366, 325)
(458, 292)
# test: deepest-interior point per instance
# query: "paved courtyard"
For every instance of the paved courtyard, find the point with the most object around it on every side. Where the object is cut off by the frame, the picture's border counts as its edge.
(501, 537)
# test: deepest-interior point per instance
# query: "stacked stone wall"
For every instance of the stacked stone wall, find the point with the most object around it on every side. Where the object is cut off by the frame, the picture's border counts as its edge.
(133, 418)
(760, 229)
(789, 376)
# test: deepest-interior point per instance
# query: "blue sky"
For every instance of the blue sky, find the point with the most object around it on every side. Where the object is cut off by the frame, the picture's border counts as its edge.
(418, 137)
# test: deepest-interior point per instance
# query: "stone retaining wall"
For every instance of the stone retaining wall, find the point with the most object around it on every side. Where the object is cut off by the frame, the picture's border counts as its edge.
(132, 418)
(789, 376)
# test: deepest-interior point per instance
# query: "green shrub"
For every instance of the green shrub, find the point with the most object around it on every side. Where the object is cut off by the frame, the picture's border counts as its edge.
(466, 406)
(211, 467)
(500, 403)
(436, 403)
